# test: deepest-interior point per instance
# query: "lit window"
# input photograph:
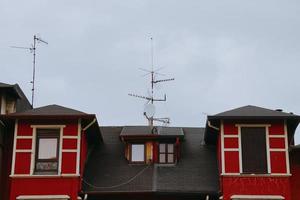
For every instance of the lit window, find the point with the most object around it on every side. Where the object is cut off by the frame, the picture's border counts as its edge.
(137, 153)
(166, 153)
(47, 145)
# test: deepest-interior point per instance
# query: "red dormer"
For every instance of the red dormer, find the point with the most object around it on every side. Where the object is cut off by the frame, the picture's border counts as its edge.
(253, 145)
(49, 151)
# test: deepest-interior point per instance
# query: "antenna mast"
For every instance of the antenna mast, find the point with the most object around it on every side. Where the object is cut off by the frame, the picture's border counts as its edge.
(33, 51)
(150, 108)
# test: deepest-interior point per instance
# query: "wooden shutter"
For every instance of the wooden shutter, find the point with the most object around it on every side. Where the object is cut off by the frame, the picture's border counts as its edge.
(254, 154)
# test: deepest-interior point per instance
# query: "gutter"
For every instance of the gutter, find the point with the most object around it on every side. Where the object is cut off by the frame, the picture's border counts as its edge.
(90, 124)
(212, 126)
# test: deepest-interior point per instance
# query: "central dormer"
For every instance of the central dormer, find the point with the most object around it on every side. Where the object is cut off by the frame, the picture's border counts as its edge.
(147, 144)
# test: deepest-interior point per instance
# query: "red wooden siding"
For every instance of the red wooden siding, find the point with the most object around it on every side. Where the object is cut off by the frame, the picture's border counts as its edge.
(24, 144)
(277, 143)
(68, 163)
(230, 129)
(232, 162)
(256, 186)
(234, 184)
(231, 143)
(22, 163)
(44, 186)
(278, 162)
(67, 182)
(69, 143)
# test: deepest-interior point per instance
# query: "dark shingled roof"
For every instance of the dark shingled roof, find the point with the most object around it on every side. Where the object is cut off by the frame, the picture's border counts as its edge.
(22, 103)
(147, 130)
(107, 170)
(252, 112)
(50, 110)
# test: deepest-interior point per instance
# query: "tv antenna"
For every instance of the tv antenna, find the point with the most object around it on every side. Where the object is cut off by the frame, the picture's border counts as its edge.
(149, 109)
(32, 50)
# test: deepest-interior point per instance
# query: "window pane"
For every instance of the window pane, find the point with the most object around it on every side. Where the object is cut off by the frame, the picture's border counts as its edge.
(137, 152)
(47, 148)
(170, 158)
(254, 154)
(162, 158)
(170, 148)
(46, 166)
(162, 148)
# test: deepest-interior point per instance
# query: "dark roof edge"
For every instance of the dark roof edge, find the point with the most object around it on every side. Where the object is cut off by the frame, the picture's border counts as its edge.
(29, 116)
(213, 117)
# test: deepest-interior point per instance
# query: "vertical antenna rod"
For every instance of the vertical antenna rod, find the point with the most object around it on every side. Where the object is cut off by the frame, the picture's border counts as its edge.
(32, 50)
(150, 97)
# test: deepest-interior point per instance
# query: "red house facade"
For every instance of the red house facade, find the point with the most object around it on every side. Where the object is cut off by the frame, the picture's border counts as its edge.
(253, 145)
(49, 151)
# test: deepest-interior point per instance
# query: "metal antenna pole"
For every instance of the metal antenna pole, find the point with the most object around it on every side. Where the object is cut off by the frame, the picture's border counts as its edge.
(33, 71)
(32, 50)
(150, 97)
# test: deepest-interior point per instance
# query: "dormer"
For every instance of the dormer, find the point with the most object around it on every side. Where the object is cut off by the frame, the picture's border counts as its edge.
(12, 99)
(146, 144)
(253, 152)
(253, 140)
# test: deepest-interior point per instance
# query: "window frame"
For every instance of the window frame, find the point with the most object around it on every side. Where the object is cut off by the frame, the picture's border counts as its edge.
(130, 155)
(266, 170)
(167, 153)
(39, 136)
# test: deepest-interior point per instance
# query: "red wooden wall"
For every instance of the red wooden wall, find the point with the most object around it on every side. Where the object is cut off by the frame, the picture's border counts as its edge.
(295, 179)
(277, 182)
(67, 181)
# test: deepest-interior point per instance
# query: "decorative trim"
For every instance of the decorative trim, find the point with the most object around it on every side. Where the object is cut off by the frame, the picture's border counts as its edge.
(38, 197)
(240, 150)
(231, 136)
(222, 147)
(23, 151)
(33, 146)
(287, 158)
(24, 137)
(14, 149)
(253, 125)
(48, 126)
(268, 149)
(60, 150)
(69, 150)
(43, 176)
(231, 149)
(280, 150)
(276, 136)
(271, 197)
(256, 175)
(78, 147)
(70, 137)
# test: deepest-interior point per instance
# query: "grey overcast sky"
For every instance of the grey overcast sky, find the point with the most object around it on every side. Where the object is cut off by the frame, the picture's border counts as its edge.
(223, 54)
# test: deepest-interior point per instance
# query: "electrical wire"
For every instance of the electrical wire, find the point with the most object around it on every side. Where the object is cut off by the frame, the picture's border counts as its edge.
(119, 185)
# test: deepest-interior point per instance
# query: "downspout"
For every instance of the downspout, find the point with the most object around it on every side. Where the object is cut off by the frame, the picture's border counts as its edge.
(1, 122)
(90, 124)
(212, 126)
(85, 196)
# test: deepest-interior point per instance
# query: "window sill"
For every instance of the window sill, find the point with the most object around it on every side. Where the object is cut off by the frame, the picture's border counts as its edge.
(165, 164)
(255, 175)
(44, 176)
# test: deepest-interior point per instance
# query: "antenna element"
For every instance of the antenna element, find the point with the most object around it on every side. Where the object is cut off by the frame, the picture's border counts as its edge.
(149, 109)
(32, 49)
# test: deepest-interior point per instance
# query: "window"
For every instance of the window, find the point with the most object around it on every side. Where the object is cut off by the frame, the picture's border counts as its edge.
(166, 153)
(47, 145)
(137, 153)
(254, 154)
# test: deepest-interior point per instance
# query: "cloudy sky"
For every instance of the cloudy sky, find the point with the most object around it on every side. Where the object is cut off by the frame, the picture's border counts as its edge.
(223, 54)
